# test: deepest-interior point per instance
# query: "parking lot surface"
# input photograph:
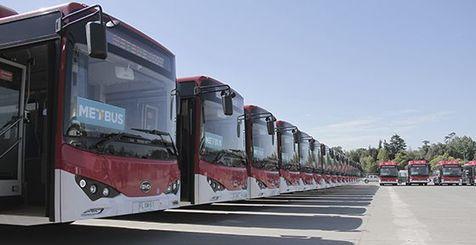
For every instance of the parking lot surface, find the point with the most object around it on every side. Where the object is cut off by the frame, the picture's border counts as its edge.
(357, 214)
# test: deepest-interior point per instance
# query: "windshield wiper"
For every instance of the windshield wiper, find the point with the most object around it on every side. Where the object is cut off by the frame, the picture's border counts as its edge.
(106, 138)
(161, 135)
(234, 154)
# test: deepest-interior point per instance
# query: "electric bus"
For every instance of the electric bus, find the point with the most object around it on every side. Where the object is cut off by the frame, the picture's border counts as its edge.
(261, 152)
(211, 141)
(86, 125)
(288, 157)
(306, 159)
(333, 167)
(319, 166)
(340, 168)
(388, 173)
(327, 165)
(469, 173)
(343, 171)
(418, 172)
(449, 173)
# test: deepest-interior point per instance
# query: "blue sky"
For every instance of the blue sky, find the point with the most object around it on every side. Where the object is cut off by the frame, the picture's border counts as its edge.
(347, 72)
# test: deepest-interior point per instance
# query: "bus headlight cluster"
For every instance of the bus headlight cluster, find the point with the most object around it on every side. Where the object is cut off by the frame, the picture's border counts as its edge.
(288, 182)
(261, 184)
(95, 189)
(173, 187)
(215, 185)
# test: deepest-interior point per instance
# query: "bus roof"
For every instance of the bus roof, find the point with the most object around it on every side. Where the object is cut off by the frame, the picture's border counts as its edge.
(199, 79)
(284, 124)
(255, 108)
(448, 162)
(470, 163)
(417, 162)
(389, 163)
(305, 136)
(69, 8)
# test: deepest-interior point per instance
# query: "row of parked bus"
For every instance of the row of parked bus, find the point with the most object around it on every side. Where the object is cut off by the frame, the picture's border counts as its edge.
(420, 172)
(94, 123)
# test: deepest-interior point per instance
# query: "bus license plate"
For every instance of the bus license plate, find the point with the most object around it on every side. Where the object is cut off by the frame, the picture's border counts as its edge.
(146, 206)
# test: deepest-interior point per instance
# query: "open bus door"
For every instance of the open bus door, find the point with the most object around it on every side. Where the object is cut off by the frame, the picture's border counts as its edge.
(12, 93)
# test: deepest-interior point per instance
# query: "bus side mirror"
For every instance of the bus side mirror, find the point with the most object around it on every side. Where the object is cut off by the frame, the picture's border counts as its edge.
(96, 39)
(238, 128)
(270, 126)
(296, 136)
(227, 102)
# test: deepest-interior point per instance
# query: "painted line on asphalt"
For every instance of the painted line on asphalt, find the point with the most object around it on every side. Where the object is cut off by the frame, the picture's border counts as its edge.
(409, 230)
(261, 213)
(288, 205)
(350, 236)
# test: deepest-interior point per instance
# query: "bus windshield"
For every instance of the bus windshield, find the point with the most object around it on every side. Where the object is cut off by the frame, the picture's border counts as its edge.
(112, 103)
(220, 142)
(452, 171)
(289, 156)
(305, 158)
(419, 170)
(264, 149)
(389, 172)
(316, 157)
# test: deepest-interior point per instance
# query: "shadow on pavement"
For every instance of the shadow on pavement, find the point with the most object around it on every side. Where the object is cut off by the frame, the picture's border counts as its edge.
(305, 213)
(329, 220)
(357, 211)
(86, 235)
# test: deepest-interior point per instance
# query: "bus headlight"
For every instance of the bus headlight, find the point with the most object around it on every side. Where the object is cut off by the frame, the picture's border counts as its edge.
(215, 185)
(105, 192)
(173, 187)
(261, 184)
(95, 189)
(82, 183)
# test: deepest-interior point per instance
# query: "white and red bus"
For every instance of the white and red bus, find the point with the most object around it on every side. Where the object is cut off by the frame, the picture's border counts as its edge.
(261, 152)
(86, 125)
(327, 165)
(319, 165)
(418, 172)
(340, 159)
(449, 173)
(307, 161)
(388, 173)
(288, 155)
(469, 171)
(333, 167)
(211, 141)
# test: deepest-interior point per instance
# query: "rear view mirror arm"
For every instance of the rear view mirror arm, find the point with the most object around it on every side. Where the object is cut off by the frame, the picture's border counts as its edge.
(60, 22)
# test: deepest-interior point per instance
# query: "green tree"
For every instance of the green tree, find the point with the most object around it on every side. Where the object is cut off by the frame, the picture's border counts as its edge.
(436, 150)
(425, 147)
(357, 154)
(383, 155)
(369, 164)
(444, 157)
(449, 137)
(397, 144)
(462, 147)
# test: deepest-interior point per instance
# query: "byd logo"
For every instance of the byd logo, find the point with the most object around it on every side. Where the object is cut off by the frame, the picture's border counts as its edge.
(145, 186)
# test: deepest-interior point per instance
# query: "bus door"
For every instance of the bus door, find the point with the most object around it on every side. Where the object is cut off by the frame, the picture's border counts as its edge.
(12, 93)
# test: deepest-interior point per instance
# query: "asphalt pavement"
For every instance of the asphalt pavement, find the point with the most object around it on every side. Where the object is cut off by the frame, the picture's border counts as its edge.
(357, 214)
